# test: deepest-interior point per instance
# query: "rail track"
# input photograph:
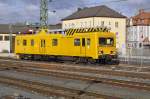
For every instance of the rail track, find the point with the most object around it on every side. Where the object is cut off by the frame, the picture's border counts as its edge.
(124, 67)
(91, 79)
(77, 73)
(52, 90)
(65, 67)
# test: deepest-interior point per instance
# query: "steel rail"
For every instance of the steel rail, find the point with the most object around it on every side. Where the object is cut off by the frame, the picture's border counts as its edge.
(52, 90)
(76, 68)
(64, 72)
(94, 79)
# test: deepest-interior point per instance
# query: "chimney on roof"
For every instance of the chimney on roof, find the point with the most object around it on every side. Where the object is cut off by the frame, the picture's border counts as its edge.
(79, 9)
(141, 11)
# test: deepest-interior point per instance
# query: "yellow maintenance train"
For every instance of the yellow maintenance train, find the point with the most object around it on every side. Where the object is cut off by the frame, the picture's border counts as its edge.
(87, 44)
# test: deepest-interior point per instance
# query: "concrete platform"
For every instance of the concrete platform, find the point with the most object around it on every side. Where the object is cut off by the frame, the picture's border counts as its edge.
(8, 55)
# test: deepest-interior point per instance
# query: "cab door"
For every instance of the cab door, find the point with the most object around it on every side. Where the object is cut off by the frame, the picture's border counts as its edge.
(42, 46)
(83, 47)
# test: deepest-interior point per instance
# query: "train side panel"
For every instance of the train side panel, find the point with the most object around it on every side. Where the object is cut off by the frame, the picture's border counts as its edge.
(79, 44)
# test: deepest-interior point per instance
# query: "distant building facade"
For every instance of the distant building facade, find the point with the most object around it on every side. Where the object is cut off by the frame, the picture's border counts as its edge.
(5, 42)
(139, 30)
(99, 16)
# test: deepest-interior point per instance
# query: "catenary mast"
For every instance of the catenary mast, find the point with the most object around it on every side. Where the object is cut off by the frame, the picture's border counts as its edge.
(44, 14)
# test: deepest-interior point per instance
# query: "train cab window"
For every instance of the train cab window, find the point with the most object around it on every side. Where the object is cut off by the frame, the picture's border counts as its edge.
(54, 42)
(106, 41)
(76, 42)
(32, 42)
(6, 38)
(88, 41)
(1, 38)
(24, 42)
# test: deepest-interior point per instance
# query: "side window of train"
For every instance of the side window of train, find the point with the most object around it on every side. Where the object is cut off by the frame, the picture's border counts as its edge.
(77, 42)
(24, 42)
(83, 42)
(32, 42)
(54, 42)
(42, 43)
(88, 41)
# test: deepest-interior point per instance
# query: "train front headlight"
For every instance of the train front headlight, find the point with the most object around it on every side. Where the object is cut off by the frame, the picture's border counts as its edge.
(112, 52)
(101, 51)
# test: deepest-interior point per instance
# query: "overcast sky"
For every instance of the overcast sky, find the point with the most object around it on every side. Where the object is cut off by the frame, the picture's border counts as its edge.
(16, 11)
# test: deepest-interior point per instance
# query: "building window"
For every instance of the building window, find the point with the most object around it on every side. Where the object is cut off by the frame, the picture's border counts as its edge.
(142, 21)
(32, 42)
(6, 38)
(102, 23)
(140, 45)
(24, 42)
(81, 24)
(69, 25)
(99, 23)
(86, 24)
(76, 42)
(65, 25)
(1, 38)
(90, 24)
(54, 42)
(116, 24)
(109, 23)
(73, 25)
(88, 42)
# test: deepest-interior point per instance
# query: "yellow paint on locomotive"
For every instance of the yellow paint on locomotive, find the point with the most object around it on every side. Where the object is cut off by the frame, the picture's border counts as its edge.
(70, 44)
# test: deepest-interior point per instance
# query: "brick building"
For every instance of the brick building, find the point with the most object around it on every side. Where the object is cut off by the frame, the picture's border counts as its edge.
(143, 18)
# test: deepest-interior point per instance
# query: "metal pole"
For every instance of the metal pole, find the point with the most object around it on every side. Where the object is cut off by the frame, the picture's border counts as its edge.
(129, 56)
(44, 14)
(141, 56)
(10, 37)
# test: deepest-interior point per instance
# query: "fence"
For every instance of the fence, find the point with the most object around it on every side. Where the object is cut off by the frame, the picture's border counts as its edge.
(137, 56)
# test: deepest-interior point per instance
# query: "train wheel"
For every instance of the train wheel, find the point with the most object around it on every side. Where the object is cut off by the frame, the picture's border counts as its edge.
(82, 60)
(21, 57)
(115, 62)
(75, 60)
(102, 61)
(109, 62)
(91, 61)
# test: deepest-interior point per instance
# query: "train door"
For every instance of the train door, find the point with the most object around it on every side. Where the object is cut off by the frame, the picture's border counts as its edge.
(42, 46)
(83, 47)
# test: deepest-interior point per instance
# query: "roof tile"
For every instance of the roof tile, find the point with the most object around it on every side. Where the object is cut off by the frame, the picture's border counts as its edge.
(98, 11)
